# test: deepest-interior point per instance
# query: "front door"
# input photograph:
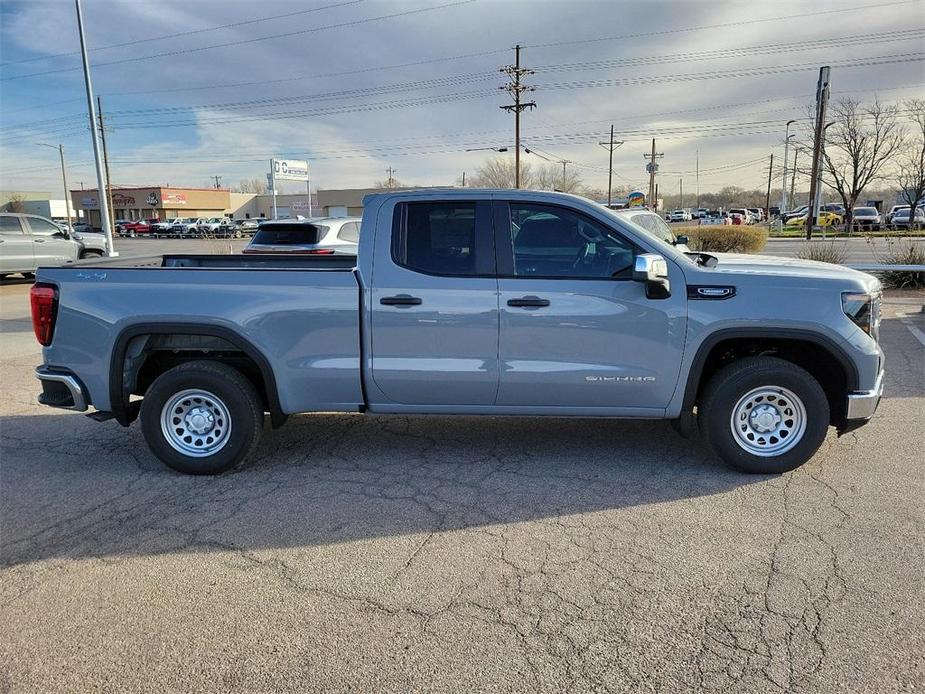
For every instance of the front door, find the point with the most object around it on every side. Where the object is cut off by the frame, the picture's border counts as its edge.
(434, 306)
(50, 245)
(576, 330)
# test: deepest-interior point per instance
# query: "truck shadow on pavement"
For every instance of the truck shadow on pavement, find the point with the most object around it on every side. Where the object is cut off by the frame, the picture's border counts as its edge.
(73, 488)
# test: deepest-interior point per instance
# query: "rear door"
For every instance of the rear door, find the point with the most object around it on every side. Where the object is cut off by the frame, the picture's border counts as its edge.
(15, 246)
(434, 305)
(50, 245)
(576, 330)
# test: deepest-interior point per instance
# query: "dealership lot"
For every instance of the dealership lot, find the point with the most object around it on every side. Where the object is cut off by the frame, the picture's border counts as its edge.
(400, 554)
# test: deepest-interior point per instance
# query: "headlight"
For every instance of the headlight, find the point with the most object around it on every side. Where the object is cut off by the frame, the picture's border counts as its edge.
(864, 310)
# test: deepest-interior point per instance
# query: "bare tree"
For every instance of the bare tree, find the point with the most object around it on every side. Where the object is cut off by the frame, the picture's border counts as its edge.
(552, 177)
(498, 172)
(858, 145)
(251, 185)
(16, 202)
(389, 183)
(910, 171)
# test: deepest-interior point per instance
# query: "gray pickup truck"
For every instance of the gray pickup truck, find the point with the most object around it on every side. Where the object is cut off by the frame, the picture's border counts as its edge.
(471, 302)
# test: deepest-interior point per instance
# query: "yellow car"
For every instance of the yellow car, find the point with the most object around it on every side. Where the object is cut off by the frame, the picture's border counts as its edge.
(826, 219)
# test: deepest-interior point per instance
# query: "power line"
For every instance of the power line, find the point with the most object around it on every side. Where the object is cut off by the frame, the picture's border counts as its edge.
(765, 49)
(725, 25)
(288, 34)
(192, 32)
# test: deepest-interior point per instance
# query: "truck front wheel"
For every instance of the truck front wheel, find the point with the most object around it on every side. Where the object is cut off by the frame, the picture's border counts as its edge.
(764, 415)
(201, 418)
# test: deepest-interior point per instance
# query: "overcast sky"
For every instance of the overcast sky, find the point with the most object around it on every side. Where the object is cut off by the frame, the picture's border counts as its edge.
(198, 88)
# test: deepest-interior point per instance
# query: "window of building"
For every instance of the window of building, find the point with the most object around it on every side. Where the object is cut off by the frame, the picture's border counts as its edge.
(550, 241)
(436, 238)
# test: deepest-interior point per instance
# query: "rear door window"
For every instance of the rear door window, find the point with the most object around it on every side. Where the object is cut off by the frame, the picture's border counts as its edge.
(10, 225)
(443, 238)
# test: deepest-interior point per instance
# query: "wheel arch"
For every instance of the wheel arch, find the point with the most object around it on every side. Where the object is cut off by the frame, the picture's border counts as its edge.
(126, 412)
(829, 362)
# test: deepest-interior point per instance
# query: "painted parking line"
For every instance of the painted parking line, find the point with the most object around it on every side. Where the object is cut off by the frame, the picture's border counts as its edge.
(910, 322)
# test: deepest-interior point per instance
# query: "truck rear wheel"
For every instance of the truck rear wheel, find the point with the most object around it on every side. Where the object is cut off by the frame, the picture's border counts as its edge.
(764, 415)
(201, 418)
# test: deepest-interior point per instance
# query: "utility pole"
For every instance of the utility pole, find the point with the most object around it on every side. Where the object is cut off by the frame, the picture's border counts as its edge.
(611, 144)
(652, 167)
(681, 192)
(218, 181)
(767, 200)
(822, 101)
(516, 90)
(112, 213)
(783, 188)
(91, 112)
(698, 179)
(67, 193)
(391, 181)
(464, 179)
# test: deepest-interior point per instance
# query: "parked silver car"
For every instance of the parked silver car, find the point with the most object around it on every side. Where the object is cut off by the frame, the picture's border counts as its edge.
(317, 236)
(28, 241)
(867, 218)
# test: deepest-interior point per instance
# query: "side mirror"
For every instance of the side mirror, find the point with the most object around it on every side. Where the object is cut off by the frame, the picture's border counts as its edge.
(681, 241)
(652, 269)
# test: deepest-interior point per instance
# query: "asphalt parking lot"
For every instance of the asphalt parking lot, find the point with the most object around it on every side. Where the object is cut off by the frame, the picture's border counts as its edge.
(402, 554)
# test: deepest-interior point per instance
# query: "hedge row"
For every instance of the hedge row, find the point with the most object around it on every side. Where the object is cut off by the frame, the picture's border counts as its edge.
(724, 239)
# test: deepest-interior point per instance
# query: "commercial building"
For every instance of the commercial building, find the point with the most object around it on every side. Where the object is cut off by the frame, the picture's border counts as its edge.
(345, 202)
(160, 202)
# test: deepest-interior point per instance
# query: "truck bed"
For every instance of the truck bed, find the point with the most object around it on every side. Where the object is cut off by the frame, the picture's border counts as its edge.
(279, 261)
(300, 314)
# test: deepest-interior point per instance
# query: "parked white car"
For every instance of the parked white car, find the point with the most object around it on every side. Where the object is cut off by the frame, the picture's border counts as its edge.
(316, 236)
(679, 216)
(747, 217)
(187, 226)
(213, 224)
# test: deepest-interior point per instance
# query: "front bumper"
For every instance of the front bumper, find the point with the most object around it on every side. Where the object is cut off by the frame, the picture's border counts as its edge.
(60, 389)
(863, 404)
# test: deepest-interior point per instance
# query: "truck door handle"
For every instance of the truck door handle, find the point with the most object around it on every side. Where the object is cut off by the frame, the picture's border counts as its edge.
(528, 302)
(39, 240)
(400, 300)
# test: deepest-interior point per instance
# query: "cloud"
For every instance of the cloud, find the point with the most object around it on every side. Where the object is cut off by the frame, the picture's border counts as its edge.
(425, 142)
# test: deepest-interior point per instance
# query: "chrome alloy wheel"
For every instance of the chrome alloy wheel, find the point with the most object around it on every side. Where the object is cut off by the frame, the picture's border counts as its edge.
(196, 423)
(768, 421)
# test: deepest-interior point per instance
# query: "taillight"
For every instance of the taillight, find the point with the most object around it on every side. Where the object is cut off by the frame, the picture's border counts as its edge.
(44, 300)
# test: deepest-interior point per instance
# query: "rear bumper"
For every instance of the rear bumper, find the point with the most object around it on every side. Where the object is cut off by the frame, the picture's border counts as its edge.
(862, 404)
(61, 389)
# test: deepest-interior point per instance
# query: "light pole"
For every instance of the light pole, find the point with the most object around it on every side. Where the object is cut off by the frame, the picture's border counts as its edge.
(67, 194)
(91, 110)
(783, 188)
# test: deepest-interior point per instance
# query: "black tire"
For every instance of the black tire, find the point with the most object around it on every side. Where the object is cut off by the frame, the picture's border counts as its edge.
(91, 254)
(28, 275)
(244, 407)
(732, 382)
